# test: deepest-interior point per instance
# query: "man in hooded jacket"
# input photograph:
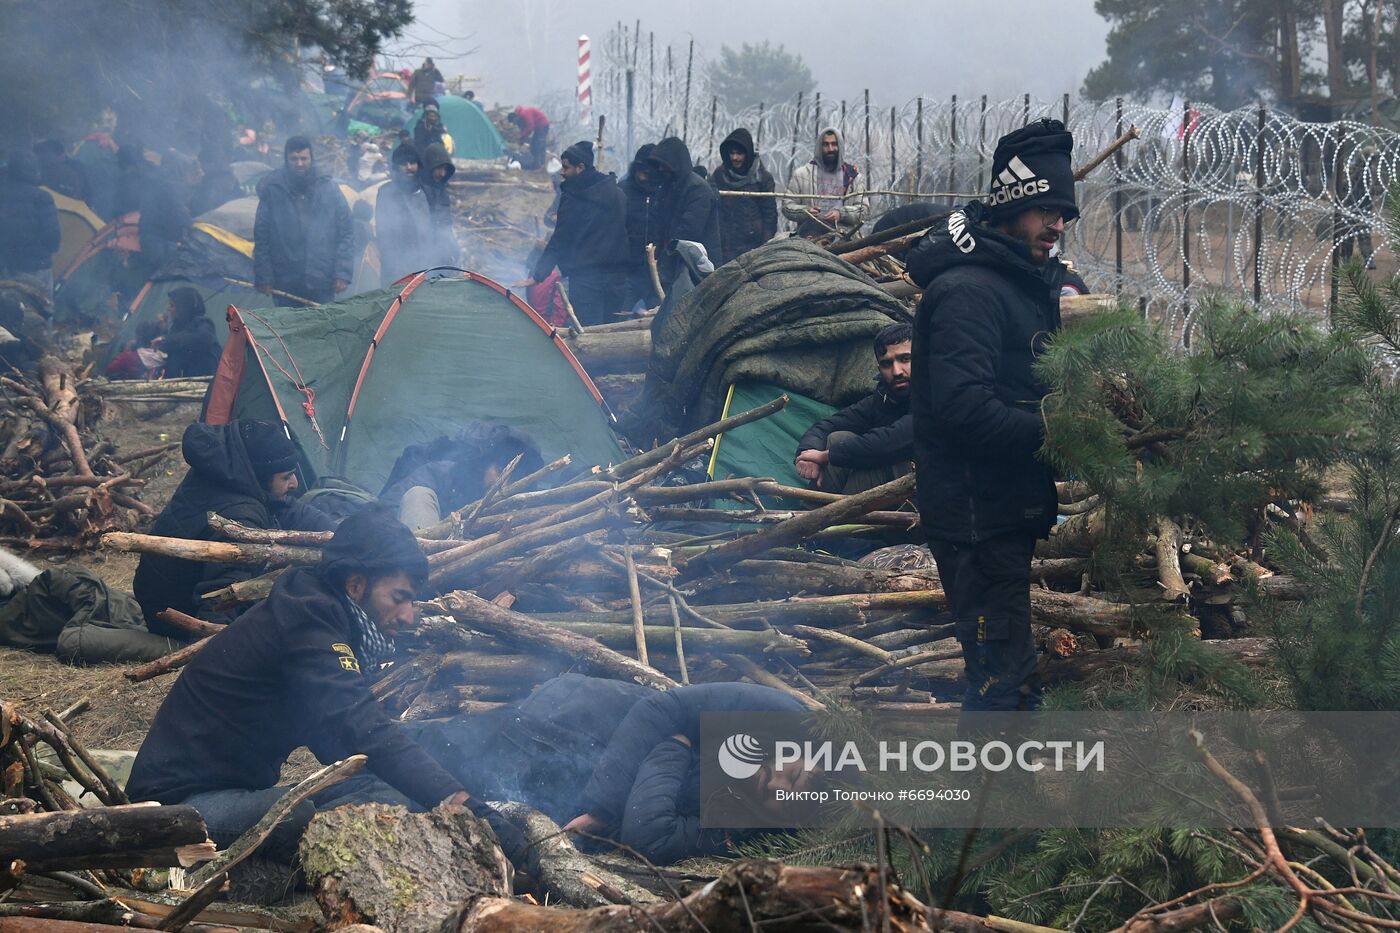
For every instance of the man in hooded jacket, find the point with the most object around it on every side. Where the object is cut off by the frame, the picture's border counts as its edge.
(404, 226)
(303, 234)
(639, 187)
(744, 223)
(29, 233)
(295, 670)
(689, 207)
(435, 171)
(244, 471)
(833, 192)
(589, 243)
(991, 300)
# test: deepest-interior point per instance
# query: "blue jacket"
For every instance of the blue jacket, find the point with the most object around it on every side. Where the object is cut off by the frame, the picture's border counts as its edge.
(302, 240)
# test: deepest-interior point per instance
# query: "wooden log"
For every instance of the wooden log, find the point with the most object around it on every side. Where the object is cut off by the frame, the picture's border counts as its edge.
(747, 667)
(132, 836)
(462, 571)
(210, 879)
(520, 629)
(113, 794)
(171, 662)
(216, 552)
(1168, 547)
(759, 579)
(866, 253)
(1076, 536)
(562, 872)
(188, 623)
(634, 593)
(1075, 309)
(765, 895)
(903, 520)
(448, 527)
(827, 611)
(799, 528)
(710, 639)
(244, 591)
(625, 351)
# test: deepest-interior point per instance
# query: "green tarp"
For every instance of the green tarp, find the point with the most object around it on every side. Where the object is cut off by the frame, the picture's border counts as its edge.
(766, 447)
(474, 136)
(457, 350)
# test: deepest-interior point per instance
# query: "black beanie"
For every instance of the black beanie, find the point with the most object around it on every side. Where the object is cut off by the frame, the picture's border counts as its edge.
(1031, 168)
(373, 541)
(269, 448)
(580, 153)
(405, 153)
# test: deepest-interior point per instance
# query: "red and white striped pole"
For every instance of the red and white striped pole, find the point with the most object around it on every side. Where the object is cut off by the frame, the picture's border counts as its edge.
(585, 80)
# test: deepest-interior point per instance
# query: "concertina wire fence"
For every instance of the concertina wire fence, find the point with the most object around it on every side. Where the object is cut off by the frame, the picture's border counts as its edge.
(1250, 201)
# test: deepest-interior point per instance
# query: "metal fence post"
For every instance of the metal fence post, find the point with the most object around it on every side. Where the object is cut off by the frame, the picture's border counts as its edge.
(1259, 207)
(919, 147)
(1118, 210)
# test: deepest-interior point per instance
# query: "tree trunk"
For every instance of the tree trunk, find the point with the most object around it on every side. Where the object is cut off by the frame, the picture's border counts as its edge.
(1334, 24)
(626, 351)
(1290, 59)
(212, 552)
(133, 836)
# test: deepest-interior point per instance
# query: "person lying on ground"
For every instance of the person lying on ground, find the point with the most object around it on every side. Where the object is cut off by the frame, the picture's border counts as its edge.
(431, 480)
(295, 670)
(245, 471)
(871, 442)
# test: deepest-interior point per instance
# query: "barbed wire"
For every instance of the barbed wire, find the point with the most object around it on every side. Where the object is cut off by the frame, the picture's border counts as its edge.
(1252, 200)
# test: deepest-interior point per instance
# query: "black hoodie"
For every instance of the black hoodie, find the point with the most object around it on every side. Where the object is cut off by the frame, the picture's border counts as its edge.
(689, 206)
(29, 232)
(590, 236)
(642, 208)
(221, 479)
(744, 223)
(985, 315)
(445, 248)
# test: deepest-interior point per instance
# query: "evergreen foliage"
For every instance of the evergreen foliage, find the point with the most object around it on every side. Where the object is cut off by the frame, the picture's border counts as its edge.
(757, 73)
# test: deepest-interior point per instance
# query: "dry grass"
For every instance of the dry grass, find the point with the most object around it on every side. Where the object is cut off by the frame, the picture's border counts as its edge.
(121, 711)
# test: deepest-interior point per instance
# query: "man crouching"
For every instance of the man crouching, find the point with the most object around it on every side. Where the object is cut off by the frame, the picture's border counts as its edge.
(295, 670)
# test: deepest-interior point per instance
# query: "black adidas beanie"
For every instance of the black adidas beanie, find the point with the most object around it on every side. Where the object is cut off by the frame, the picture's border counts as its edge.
(1031, 168)
(580, 153)
(269, 448)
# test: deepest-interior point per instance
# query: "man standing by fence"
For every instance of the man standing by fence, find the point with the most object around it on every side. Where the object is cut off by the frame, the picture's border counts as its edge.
(744, 222)
(842, 205)
(991, 300)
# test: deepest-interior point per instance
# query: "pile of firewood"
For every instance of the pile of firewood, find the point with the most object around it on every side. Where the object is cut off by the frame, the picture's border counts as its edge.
(599, 573)
(61, 485)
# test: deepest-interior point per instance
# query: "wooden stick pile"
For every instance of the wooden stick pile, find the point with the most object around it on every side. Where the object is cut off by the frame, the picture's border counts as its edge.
(62, 486)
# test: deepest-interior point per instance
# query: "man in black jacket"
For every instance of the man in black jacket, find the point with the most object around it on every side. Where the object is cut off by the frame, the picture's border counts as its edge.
(991, 299)
(303, 235)
(639, 187)
(294, 670)
(689, 207)
(245, 471)
(744, 223)
(589, 244)
(872, 441)
(435, 171)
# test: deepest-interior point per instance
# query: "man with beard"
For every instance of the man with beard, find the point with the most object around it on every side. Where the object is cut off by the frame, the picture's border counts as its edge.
(435, 171)
(245, 471)
(303, 235)
(429, 128)
(872, 441)
(404, 227)
(744, 223)
(295, 670)
(991, 300)
(589, 243)
(832, 180)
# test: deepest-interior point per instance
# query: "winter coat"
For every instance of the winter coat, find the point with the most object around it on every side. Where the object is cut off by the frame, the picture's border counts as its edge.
(883, 429)
(424, 135)
(689, 207)
(29, 232)
(454, 467)
(220, 479)
(590, 235)
(165, 217)
(67, 176)
(853, 211)
(191, 348)
(744, 223)
(302, 239)
(445, 248)
(424, 82)
(283, 675)
(986, 313)
(610, 795)
(643, 217)
(403, 231)
(533, 119)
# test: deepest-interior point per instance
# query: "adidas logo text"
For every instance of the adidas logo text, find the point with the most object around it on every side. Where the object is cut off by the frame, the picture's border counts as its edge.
(1019, 190)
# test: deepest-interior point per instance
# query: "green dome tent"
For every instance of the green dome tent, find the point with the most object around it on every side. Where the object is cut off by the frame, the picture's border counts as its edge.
(474, 136)
(356, 381)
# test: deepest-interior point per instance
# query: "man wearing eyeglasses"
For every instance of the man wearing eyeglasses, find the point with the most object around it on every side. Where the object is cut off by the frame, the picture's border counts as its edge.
(991, 299)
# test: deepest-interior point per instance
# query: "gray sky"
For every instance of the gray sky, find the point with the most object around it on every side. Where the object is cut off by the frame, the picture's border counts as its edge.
(897, 48)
